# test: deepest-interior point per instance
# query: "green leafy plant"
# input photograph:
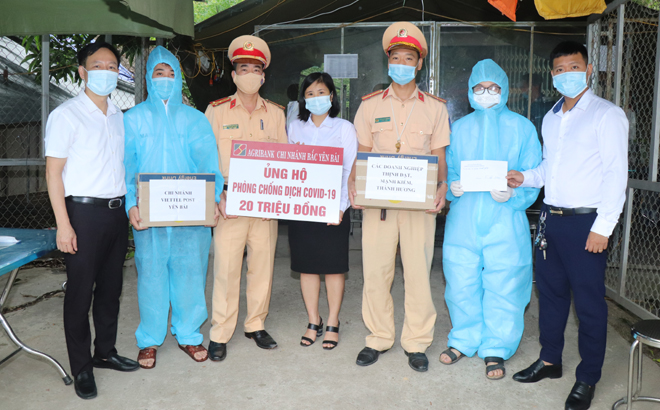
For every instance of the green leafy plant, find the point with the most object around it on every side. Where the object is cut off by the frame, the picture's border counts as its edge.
(210, 8)
(63, 49)
(186, 91)
(652, 4)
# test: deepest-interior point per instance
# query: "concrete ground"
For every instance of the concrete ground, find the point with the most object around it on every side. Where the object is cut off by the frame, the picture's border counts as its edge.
(291, 376)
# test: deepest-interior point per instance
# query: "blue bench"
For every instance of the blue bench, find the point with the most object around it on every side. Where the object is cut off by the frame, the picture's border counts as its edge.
(34, 243)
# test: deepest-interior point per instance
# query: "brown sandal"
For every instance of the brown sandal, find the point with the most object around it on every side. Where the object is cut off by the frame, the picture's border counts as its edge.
(146, 354)
(191, 350)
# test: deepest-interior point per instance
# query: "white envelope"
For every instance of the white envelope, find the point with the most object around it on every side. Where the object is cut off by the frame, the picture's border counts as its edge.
(483, 176)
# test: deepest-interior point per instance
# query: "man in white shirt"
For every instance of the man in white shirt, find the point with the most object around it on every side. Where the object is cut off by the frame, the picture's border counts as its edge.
(585, 172)
(85, 176)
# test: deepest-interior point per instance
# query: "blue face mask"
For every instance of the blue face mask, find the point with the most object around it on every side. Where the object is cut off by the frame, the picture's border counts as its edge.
(318, 105)
(401, 74)
(163, 87)
(570, 84)
(102, 82)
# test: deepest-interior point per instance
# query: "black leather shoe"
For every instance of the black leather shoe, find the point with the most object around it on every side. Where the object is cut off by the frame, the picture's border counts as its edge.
(418, 361)
(116, 362)
(85, 385)
(262, 338)
(217, 351)
(368, 356)
(538, 371)
(580, 397)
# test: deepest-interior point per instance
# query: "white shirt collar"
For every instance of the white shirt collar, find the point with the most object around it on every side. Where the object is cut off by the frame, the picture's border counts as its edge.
(582, 103)
(327, 122)
(91, 107)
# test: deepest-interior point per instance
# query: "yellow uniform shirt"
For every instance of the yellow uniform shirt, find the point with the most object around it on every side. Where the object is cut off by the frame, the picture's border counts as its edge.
(231, 121)
(423, 115)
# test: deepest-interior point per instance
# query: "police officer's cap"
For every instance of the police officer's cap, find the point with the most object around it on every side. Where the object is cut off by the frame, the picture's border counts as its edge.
(404, 34)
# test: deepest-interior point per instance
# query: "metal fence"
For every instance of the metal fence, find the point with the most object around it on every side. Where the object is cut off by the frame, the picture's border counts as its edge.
(27, 95)
(22, 181)
(623, 45)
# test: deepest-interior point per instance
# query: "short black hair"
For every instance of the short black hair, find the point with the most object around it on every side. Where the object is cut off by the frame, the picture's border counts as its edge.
(92, 48)
(568, 48)
(303, 114)
(292, 92)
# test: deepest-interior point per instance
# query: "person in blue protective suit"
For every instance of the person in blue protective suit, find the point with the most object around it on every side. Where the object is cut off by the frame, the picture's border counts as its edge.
(487, 254)
(164, 136)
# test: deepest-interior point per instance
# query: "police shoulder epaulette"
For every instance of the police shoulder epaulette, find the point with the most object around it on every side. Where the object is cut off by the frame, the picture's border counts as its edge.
(435, 97)
(275, 104)
(220, 101)
(366, 97)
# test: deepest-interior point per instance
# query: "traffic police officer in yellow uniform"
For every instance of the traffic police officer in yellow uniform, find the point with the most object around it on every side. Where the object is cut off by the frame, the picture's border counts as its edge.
(401, 119)
(243, 116)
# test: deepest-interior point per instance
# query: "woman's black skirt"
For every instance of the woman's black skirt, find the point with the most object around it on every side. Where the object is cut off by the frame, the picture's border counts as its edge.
(319, 248)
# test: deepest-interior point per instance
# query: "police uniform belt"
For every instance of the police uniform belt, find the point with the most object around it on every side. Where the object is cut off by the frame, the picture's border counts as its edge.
(112, 203)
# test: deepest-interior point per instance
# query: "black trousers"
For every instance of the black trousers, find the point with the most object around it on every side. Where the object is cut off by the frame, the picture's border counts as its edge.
(96, 270)
(569, 268)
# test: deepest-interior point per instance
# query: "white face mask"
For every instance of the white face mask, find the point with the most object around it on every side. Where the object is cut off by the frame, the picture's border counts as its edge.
(101, 82)
(487, 100)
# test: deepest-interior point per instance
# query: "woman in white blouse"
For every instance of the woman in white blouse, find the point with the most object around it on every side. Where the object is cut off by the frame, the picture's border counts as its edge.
(317, 248)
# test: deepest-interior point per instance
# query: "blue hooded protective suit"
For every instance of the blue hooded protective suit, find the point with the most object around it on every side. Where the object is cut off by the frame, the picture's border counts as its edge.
(487, 255)
(171, 261)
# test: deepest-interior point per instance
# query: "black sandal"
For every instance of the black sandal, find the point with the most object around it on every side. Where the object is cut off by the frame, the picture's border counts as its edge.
(498, 366)
(452, 356)
(319, 332)
(333, 329)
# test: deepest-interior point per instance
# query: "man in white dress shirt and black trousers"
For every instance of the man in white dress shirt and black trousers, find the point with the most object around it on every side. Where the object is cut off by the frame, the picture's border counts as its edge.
(585, 172)
(85, 176)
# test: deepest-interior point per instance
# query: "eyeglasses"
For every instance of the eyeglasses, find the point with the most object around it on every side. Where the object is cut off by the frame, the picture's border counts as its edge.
(492, 90)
